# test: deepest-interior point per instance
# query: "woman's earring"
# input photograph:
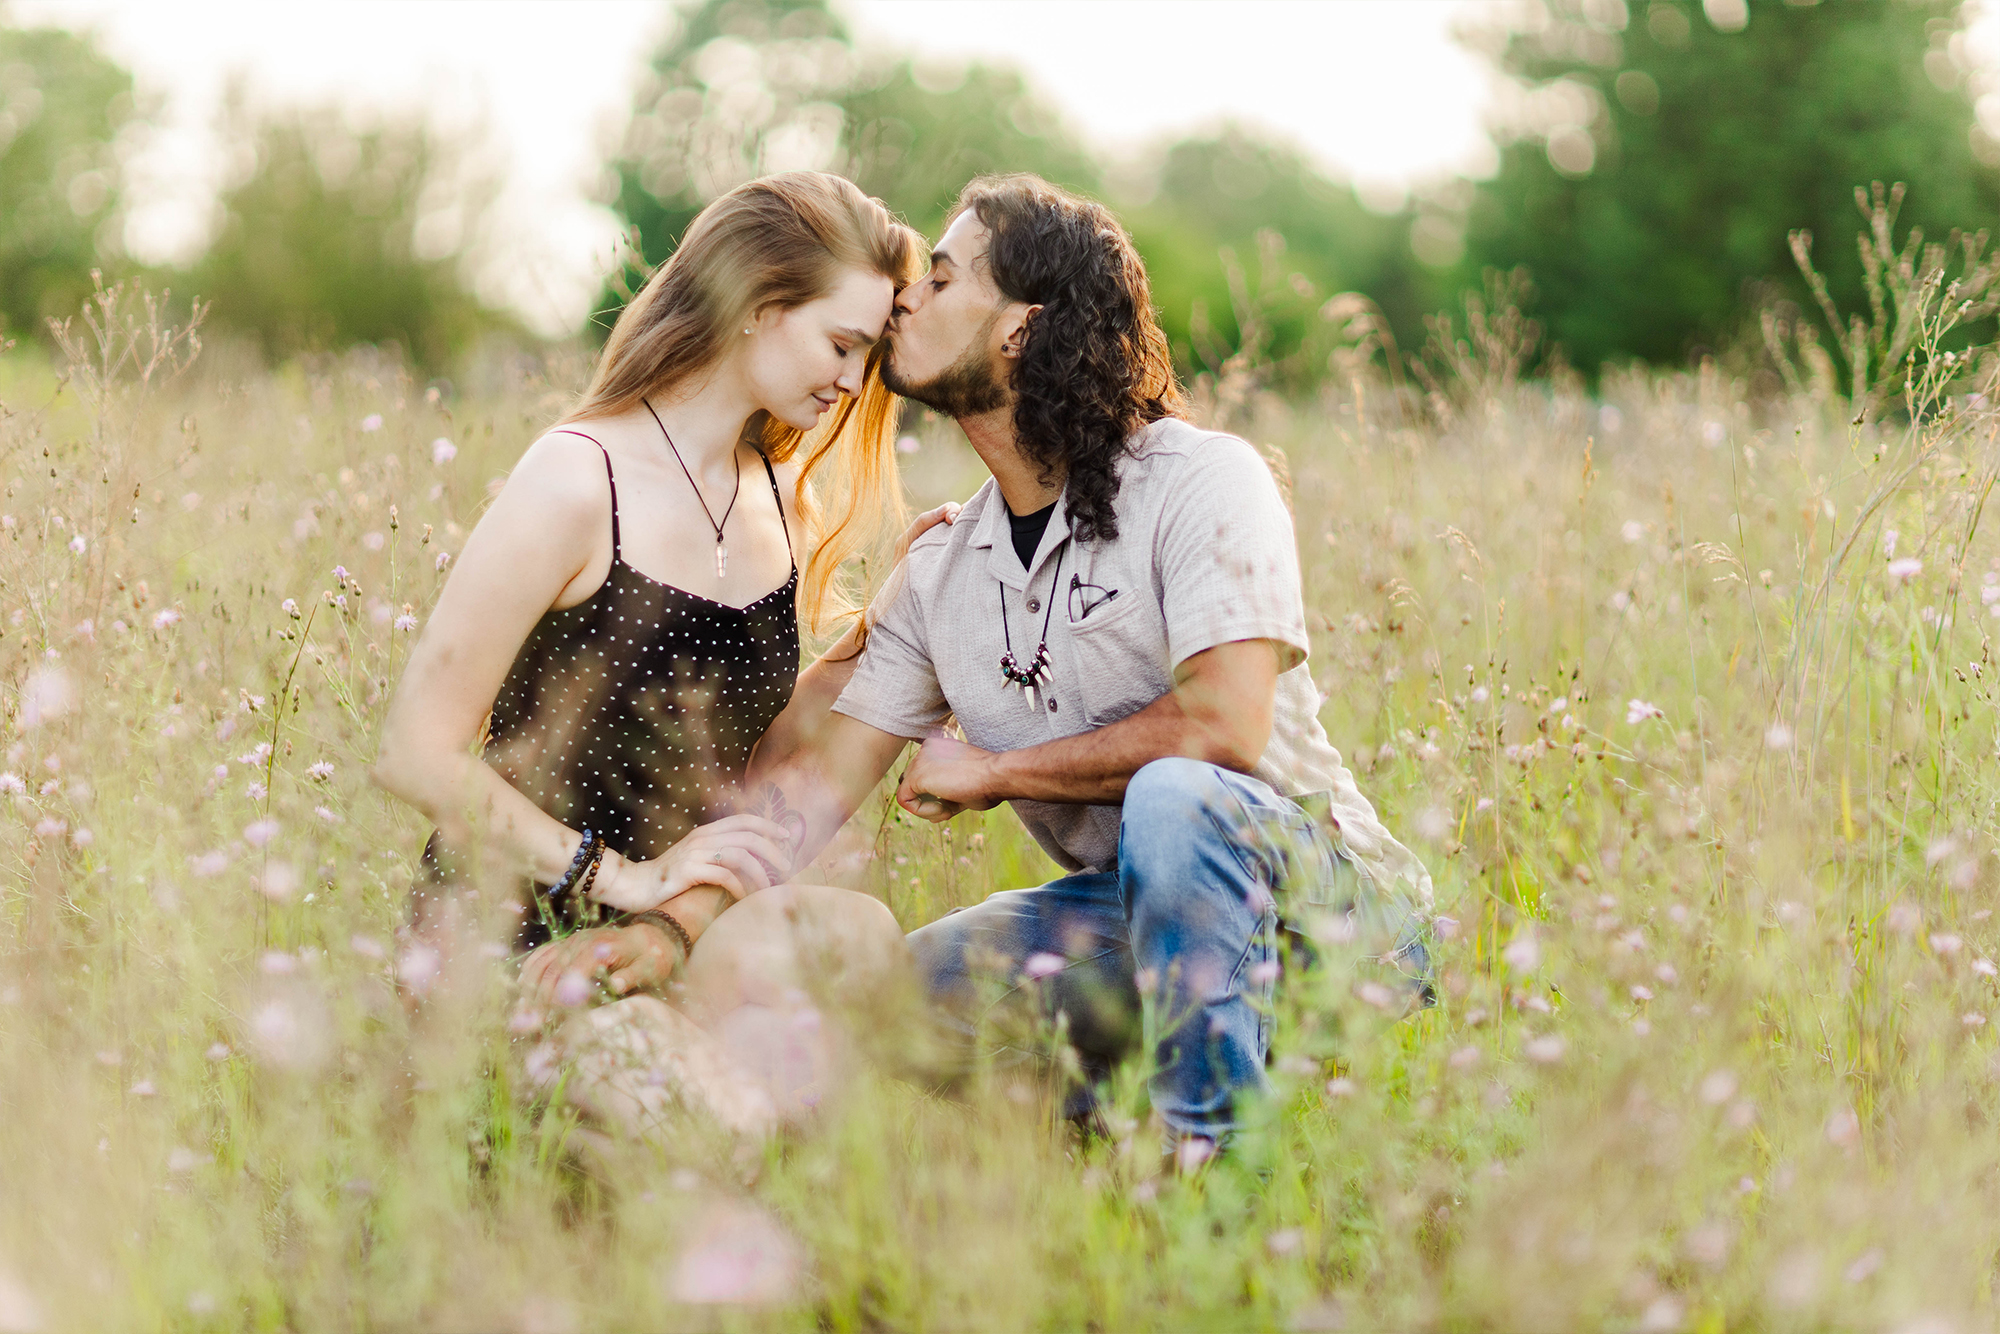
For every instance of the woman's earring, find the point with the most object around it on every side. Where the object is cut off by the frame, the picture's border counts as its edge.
(746, 329)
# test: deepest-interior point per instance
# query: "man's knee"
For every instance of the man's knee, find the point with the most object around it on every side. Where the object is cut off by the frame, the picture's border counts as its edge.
(938, 950)
(1172, 793)
(972, 945)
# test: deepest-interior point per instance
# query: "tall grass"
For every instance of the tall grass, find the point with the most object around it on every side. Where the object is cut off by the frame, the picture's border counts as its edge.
(1686, 700)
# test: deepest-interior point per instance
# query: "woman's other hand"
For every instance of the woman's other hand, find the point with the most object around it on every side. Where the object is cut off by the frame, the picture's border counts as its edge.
(634, 956)
(739, 855)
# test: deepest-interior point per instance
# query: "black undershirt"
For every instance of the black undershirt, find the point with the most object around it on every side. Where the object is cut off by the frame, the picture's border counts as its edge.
(1028, 530)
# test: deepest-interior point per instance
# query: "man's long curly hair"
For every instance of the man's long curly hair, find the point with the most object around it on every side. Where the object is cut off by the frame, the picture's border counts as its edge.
(1095, 367)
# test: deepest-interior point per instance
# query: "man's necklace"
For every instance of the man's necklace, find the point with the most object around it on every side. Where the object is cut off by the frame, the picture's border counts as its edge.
(1035, 675)
(721, 551)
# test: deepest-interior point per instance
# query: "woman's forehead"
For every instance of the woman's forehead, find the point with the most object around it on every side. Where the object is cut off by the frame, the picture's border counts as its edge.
(860, 299)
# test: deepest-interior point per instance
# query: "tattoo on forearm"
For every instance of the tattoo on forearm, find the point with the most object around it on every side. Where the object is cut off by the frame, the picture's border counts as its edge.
(770, 804)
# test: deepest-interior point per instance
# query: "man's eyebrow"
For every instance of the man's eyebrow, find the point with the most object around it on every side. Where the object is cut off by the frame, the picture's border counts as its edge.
(940, 257)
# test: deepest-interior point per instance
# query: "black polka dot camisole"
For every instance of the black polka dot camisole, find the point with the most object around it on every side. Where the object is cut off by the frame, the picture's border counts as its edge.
(633, 713)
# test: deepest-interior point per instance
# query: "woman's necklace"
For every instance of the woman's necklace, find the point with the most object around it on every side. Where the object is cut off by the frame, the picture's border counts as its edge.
(721, 551)
(1032, 678)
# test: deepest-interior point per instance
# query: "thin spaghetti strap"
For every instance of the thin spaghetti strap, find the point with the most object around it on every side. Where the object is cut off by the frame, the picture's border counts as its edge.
(781, 507)
(612, 478)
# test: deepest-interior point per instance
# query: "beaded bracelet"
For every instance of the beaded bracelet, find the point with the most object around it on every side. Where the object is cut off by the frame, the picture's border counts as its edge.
(582, 867)
(673, 926)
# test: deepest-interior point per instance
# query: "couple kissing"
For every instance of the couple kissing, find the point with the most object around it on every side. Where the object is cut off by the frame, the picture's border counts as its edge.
(606, 710)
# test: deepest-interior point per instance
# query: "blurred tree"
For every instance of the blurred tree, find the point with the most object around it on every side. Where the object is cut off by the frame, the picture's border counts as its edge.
(62, 105)
(1658, 156)
(334, 236)
(745, 87)
(1219, 193)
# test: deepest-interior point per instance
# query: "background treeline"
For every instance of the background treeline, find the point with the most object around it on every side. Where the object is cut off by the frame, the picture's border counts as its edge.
(1654, 159)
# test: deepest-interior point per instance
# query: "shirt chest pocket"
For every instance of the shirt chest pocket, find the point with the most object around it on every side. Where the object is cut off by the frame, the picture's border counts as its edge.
(1120, 656)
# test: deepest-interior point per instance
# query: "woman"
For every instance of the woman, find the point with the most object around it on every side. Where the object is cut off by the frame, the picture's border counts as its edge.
(622, 625)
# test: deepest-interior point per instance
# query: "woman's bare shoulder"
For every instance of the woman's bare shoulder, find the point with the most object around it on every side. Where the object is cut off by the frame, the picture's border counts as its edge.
(558, 487)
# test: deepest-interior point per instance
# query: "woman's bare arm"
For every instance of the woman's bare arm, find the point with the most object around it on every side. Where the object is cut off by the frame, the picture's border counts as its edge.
(531, 546)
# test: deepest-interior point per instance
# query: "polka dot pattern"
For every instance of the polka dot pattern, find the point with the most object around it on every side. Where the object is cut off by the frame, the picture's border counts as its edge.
(633, 713)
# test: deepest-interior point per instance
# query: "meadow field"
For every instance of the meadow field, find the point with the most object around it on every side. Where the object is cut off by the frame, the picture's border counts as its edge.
(1684, 694)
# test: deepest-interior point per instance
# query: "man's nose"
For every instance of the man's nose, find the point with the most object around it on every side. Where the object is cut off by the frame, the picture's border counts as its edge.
(910, 298)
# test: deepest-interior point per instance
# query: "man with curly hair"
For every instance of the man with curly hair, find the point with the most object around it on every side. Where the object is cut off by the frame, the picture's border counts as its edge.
(1115, 621)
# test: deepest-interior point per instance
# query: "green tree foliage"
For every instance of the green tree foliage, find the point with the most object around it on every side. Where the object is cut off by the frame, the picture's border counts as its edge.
(335, 236)
(62, 105)
(746, 87)
(1666, 150)
(749, 86)
(1211, 200)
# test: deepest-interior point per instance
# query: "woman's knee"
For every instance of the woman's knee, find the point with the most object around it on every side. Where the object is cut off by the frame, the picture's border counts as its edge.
(790, 939)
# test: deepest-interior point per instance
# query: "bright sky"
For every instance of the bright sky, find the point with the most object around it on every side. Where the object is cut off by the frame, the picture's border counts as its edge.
(1375, 89)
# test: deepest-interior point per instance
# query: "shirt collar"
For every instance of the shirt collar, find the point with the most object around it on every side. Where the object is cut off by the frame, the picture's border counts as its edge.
(995, 534)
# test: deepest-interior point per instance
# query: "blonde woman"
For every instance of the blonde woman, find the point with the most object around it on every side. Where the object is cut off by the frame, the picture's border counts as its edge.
(622, 627)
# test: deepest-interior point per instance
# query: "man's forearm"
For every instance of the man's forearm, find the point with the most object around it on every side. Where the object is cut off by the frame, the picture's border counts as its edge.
(1219, 712)
(1093, 768)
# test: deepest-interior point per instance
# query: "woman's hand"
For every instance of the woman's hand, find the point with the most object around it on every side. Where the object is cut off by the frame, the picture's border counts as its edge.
(632, 957)
(923, 523)
(740, 855)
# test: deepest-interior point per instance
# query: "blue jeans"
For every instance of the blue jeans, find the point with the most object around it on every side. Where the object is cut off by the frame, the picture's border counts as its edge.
(1176, 950)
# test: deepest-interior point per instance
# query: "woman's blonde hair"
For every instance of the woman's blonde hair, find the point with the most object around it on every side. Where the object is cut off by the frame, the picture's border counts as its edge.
(779, 241)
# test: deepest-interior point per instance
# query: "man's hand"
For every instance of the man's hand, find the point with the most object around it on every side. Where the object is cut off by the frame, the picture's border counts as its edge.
(947, 776)
(632, 957)
(1219, 712)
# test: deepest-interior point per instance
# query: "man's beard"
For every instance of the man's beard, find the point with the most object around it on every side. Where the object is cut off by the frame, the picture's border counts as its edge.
(968, 387)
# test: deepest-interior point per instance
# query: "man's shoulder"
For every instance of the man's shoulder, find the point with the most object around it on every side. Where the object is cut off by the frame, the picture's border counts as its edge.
(936, 547)
(1173, 441)
(1170, 452)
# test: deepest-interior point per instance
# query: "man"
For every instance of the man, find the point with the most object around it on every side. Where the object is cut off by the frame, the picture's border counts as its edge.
(1115, 621)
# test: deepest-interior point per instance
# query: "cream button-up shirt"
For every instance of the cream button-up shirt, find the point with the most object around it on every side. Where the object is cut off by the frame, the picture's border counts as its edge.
(1205, 555)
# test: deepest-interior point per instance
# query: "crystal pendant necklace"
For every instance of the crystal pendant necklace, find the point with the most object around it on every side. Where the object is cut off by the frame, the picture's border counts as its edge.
(721, 551)
(1034, 677)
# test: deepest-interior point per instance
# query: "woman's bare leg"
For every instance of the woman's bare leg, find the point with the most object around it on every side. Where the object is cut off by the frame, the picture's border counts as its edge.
(631, 1063)
(761, 1027)
(779, 978)
(833, 946)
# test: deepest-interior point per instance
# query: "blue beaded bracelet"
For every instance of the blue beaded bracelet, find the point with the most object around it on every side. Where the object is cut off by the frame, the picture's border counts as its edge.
(582, 867)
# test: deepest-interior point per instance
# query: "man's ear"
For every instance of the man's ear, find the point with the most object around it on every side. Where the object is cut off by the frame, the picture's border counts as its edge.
(1014, 329)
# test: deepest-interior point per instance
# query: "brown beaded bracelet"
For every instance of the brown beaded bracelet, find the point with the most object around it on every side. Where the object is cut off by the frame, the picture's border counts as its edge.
(673, 926)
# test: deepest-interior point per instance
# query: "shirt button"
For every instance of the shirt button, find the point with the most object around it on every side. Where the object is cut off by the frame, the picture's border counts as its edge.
(1052, 703)
(1034, 604)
